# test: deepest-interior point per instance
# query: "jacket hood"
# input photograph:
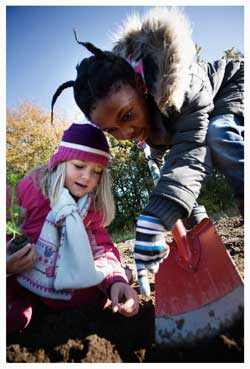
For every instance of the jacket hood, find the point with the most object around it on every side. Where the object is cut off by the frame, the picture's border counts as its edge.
(164, 36)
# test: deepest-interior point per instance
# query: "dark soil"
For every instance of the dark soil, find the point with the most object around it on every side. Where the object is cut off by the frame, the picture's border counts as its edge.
(93, 336)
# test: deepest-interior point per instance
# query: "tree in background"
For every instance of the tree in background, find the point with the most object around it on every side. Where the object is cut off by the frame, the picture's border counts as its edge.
(216, 194)
(131, 180)
(30, 141)
(232, 54)
(228, 54)
(30, 138)
(198, 53)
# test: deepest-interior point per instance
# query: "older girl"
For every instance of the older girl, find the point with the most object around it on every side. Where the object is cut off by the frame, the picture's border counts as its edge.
(151, 88)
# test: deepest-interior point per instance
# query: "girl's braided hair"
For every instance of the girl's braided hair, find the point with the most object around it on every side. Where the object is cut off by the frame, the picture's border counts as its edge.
(96, 76)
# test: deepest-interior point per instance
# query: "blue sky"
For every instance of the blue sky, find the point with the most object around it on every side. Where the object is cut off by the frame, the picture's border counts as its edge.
(42, 53)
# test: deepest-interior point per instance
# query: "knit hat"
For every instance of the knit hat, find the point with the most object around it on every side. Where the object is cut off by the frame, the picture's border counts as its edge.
(82, 141)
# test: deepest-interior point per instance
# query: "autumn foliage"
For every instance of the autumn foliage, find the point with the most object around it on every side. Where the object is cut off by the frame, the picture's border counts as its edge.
(31, 138)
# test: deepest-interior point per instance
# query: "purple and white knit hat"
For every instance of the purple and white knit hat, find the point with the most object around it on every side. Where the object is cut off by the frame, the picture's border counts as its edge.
(82, 141)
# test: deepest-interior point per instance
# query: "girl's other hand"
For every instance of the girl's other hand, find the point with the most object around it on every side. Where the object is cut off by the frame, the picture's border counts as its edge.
(124, 299)
(22, 260)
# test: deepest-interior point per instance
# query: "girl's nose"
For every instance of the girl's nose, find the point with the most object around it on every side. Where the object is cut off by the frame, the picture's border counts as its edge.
(126, 133)
(85, 174)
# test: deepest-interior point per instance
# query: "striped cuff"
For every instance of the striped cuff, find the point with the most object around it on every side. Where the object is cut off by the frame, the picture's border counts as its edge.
(150, 243)
(149, 225)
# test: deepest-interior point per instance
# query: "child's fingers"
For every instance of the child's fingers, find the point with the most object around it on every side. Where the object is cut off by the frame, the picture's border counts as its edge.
(29, 257)
(115, 304)
(26, 249)
(120, 292)
(32, 252)
(24, 258)
(131, 305)
(129, 308)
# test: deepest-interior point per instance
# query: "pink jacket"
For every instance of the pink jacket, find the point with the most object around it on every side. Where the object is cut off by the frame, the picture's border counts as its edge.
(106, 255)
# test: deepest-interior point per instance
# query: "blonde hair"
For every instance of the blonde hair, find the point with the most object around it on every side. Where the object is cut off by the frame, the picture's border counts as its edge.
(51, 184)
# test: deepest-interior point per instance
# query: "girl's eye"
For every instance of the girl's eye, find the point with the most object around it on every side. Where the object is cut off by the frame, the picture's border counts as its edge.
(79, 166)
(127, 116)
(98, 173)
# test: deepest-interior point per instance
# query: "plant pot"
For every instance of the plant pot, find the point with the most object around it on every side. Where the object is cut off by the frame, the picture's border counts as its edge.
(18, 243)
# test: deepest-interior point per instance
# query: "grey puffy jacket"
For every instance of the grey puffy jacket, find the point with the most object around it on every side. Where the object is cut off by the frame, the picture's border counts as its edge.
(184, 96)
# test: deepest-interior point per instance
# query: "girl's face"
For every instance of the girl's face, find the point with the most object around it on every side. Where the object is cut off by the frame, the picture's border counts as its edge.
(82, 177)
(123, 114)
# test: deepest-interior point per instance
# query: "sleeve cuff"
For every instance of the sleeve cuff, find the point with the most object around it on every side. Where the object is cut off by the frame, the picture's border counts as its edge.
(166, 210)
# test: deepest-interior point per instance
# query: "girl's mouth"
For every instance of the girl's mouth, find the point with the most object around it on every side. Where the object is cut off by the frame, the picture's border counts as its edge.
(81, 185)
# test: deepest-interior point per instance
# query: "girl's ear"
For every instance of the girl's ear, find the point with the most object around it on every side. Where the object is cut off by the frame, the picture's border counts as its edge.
(140, 84)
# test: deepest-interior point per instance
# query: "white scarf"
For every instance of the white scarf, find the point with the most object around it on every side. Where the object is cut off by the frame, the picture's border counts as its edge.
(64, 256)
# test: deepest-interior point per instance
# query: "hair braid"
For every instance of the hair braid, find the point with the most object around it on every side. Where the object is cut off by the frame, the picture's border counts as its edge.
(93, 49)
(96, 76)
(58, 93)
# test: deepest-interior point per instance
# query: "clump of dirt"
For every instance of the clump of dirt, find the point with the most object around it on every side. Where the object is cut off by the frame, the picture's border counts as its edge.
(94, 336)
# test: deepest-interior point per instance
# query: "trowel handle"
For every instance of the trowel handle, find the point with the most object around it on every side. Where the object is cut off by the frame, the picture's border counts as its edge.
(179, 233)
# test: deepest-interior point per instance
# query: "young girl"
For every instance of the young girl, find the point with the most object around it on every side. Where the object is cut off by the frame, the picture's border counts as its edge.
(68, 203)
(191, 114)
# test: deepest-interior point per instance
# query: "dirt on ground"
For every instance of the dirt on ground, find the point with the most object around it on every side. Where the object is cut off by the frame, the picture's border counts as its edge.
(92, 336)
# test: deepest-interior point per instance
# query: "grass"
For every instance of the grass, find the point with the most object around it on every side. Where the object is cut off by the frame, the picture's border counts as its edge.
(118, 237)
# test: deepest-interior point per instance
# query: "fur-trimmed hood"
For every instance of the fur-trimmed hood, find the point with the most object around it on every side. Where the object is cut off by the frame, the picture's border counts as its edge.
(163, 35)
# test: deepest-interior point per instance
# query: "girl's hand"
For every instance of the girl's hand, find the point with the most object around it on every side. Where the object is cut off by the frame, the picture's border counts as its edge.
(121, 291)
(19, 261)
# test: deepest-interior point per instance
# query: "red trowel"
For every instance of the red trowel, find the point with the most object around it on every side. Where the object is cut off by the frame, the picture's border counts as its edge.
(198, 290)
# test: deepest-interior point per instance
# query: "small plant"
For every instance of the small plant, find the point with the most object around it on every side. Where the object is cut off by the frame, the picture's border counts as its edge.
(12, 225)
(17, 240)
